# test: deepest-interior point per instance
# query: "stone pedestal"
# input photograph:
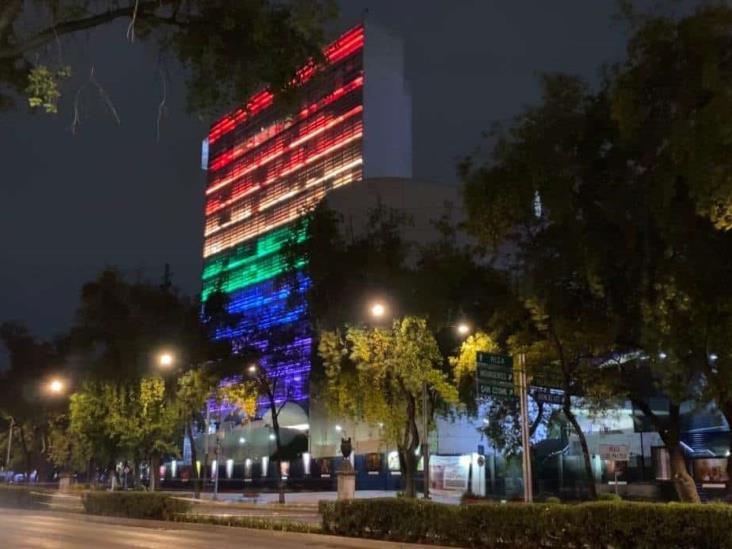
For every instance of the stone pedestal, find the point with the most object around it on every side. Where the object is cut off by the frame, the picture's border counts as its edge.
(64, 482)
(346, 481)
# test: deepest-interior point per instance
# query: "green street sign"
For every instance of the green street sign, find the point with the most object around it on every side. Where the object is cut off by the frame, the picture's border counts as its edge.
(492, 359)
(494, 391)
(494, 376)
(491, 376)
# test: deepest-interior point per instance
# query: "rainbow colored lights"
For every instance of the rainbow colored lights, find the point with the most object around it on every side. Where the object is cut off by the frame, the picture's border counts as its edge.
(266, 169)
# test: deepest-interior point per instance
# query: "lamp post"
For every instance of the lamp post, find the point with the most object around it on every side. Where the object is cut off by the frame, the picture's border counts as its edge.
(10, 442)
(218, 455)
(55, 388)
(425, 443)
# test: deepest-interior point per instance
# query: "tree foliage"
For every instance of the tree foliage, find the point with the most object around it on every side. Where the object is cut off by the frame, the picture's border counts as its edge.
(25, 402)
(376, 375)
(122, 326)
(631, 183)
(123, 405)
(228, 49)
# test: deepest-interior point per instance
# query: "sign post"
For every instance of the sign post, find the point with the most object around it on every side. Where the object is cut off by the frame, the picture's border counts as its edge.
(495, 379)
(526, 450)
(614, 453)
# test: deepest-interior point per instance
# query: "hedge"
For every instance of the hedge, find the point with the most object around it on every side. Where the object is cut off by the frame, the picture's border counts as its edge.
(252, 522)
(22, 497)
(147, 505)
(515, 525)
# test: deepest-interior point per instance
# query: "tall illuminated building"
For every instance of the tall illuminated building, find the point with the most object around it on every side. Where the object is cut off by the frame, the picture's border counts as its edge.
(269, 164)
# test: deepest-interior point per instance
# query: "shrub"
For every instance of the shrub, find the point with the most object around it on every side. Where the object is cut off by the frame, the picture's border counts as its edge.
(593, 524)
(251, 522)
(469, 497)
(552, 499)
(134, 505)
(609, 496)
(22, 497)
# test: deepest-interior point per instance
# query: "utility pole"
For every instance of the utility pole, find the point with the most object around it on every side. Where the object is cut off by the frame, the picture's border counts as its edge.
(218, 456)
(425, 442)
(218, 466)
(10, 442)
(205, 446)
(526, 448)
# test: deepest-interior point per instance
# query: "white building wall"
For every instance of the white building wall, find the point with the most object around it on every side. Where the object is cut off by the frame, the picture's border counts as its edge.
(387, 114)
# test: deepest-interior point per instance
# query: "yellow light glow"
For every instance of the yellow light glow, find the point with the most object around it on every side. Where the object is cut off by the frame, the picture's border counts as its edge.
(166, 360)
(378, 310)
(56, 386)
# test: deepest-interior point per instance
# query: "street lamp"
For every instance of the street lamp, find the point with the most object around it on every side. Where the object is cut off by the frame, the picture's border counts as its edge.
(56, 386)
(463, 328)
(165, 360)
(252, 369)
(378, 310)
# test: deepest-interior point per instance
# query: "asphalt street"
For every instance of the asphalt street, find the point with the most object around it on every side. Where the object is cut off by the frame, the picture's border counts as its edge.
(51, 530)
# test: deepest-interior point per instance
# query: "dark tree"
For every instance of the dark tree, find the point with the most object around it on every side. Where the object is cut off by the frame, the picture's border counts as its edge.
(228, 49)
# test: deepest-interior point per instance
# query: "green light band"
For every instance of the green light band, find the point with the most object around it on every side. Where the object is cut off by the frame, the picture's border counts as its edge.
(253, 251)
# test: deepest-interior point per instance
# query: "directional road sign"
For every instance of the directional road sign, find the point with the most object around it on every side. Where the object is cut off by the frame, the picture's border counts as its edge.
(547, 395)
(494, 376)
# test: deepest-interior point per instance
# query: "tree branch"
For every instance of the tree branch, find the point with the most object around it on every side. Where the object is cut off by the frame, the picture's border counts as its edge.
(644, 407)
(8, 14)
(161, 106)
(131, 26)
(76, 25)
(537, 420)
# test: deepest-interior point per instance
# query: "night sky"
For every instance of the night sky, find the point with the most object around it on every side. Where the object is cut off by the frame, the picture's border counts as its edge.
(110, 195)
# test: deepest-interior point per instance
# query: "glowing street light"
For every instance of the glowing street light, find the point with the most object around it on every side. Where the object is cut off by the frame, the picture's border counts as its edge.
(165, 360)
(56, 386)
(463, 328)
(252, 369)
(378, 310)
(338, 428)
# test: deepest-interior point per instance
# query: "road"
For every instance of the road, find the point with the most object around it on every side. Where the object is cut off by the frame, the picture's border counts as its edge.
(52, 530)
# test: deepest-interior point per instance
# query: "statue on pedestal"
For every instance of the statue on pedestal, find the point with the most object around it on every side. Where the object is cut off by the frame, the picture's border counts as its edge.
(346, 474)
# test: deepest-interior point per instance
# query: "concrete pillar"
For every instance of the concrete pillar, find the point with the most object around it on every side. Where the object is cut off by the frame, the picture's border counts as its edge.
(346, 481)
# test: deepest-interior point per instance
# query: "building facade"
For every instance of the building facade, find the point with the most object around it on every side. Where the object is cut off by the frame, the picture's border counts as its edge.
(268, 164)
